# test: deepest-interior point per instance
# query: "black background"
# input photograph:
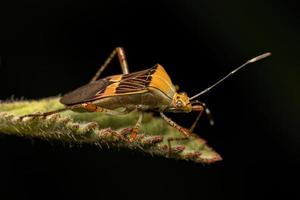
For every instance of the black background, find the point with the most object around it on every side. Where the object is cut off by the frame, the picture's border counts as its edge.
(49, 48)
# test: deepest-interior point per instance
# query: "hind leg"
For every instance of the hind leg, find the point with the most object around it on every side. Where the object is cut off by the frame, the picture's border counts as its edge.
(51, 112)
(122, 59)
(89, 107)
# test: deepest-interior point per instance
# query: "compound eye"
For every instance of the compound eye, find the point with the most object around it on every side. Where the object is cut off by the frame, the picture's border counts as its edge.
(179, 104)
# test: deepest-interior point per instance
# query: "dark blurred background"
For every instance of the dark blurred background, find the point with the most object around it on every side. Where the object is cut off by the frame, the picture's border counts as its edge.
(50, 48)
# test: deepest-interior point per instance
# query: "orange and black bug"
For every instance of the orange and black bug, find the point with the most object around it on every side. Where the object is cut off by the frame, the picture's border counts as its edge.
(146, 90)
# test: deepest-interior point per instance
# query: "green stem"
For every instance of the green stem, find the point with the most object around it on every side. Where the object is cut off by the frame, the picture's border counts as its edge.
(99, 129)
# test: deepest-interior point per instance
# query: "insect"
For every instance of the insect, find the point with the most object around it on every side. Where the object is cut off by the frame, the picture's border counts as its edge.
(146, 90)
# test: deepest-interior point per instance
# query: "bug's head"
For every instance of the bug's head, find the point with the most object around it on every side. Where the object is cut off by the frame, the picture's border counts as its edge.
(180, 103)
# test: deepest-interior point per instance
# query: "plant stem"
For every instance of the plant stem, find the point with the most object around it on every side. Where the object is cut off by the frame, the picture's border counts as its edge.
(99, 129)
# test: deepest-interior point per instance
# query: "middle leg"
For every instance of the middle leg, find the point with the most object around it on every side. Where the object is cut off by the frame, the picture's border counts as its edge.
(137, 126)
(90, 107)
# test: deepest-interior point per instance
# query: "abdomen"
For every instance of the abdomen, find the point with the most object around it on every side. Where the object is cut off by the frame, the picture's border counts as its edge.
(151, 100)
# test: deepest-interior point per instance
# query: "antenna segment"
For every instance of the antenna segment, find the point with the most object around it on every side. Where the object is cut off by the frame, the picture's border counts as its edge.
(257, 58)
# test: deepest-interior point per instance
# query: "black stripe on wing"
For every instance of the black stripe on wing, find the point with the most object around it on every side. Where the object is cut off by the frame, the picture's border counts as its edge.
(135, 82)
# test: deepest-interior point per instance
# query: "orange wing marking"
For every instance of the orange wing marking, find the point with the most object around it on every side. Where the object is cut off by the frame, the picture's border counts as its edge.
(161, 80)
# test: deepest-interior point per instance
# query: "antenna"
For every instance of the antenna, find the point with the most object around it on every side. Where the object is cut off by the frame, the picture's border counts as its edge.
(257, 58)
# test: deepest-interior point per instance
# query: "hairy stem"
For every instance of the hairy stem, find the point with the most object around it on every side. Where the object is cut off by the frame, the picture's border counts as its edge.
(101, 129)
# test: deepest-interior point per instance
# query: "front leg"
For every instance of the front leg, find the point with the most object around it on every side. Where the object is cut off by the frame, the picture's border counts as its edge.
(182, 130)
